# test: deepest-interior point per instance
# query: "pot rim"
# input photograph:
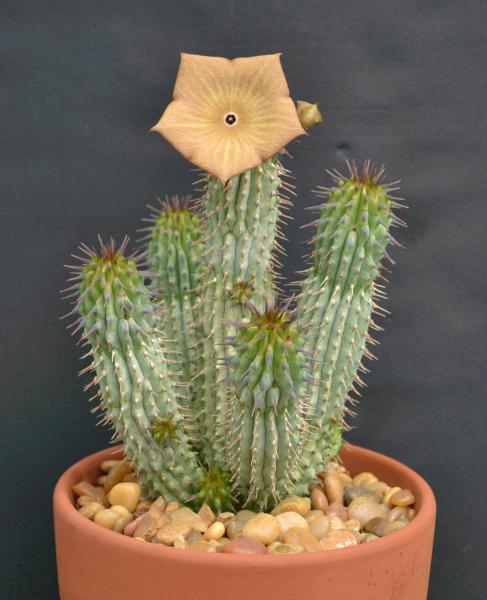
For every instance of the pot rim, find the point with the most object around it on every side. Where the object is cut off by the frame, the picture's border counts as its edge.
(63, 505)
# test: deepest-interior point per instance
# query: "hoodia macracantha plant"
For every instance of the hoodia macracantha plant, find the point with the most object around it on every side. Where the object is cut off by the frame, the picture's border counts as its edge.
(221, 389)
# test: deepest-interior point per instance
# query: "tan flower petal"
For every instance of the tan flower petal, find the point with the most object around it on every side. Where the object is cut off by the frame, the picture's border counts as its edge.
(228, 116)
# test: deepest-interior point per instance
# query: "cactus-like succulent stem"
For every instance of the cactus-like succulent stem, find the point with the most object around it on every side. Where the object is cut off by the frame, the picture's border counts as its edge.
(137, 394)
(267, 415)
(337, 300)
(241, 222)
(175, 252)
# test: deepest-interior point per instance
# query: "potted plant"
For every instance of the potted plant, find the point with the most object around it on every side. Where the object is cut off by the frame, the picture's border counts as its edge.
(230, 400)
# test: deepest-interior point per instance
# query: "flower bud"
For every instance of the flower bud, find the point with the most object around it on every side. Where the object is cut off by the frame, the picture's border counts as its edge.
(309, 114)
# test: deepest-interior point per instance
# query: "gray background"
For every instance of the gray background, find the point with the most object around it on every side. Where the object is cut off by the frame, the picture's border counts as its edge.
(401, 82)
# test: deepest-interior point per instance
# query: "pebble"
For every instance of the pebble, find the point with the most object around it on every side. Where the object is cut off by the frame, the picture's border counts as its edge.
(368, 537)
(125, 494)
(295, 504)
(207, 514)
(352, 524)
(159, 505)
(297, 524)
(263, 528)
(364, 509)
(149, 524)
(244, 546)
(83, 488)
(234, 529)
(354, 491)
(170, 531)
(279, 548)
(318, 498)
(288, 520)
(301, 537)
(379, 488)
(376, 526)
(193, 537)
(244, 515)
(364, 479)
(215, 531)
(319, 526)
(107, 465)
(131, 527)
(345, 478)
(388, 495)
(225, 517)
(398, 512)
(186, 515)
(403, 498)
(336, 523)
(83, 500)
(114, 518)
(333, 488)
(90, 509)
(202, 546)
(337, 510)
(116, 474)
(338, 539)
(142, 508)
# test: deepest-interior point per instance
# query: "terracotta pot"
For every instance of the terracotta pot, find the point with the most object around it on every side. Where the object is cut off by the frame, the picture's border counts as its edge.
(98, 564)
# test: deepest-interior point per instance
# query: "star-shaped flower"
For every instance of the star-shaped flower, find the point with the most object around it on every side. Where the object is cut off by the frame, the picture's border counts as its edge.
(228, 116)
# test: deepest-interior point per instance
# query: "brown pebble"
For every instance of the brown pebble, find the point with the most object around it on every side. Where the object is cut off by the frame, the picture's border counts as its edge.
(215, 531)
(354, 491)
(301, 537)
(193, 537)
(172, 506)
(338, 510)
(295, 504)
(377, 526)
(90, 509)
(244, 546)
(201, 546)
(131, 478)
(379, 488)
(395, 526)
(338, 539)
(398, 512)
(101, 480)
(83, 488)
(170, 531)
(107, 465)
(368, 537)
(263, 528)
(116, 474)
(207, 514)
(149, 524)
(186, 515)
(225, 517)
(388, 495)
(402, 498)
(131, 527)
(279, 548)
(319, 526)
(158, 505)
(365, 479)
(333, 488)
(318, 499)
(141, 508)
(364, 509)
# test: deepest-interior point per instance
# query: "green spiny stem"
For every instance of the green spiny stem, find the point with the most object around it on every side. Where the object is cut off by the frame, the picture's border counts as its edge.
(336, 303)
(175, 251)
(267, 415)
(136, 393)
(241, 219)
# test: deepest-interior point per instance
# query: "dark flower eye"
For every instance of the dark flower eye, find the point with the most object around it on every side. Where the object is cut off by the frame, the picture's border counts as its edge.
(230, 119)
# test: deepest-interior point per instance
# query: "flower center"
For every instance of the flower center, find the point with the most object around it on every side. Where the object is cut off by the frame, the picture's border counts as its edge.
(230, 118)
